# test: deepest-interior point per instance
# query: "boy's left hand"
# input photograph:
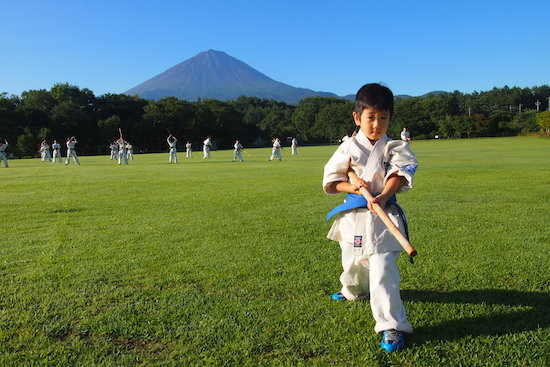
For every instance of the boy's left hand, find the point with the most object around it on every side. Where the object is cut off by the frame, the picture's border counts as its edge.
(380, 200)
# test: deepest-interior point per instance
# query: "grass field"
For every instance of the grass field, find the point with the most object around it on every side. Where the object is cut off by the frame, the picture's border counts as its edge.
(227, 264)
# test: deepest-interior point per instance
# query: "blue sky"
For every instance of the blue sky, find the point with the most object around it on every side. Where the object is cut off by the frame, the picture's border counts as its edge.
(414, 47)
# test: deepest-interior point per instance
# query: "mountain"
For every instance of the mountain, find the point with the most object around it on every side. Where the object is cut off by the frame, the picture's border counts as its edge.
(434, 93)
(216, 75)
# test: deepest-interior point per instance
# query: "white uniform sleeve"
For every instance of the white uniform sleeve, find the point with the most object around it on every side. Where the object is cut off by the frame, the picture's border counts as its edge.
(336, 168)
(402, 161)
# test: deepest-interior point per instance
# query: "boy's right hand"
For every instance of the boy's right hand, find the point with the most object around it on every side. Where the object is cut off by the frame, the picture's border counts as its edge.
(358, 183)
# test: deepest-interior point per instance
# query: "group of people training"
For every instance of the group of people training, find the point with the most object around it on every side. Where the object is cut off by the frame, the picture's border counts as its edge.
(55, 154)
(238, 149)
(122, 151)
(173, 153)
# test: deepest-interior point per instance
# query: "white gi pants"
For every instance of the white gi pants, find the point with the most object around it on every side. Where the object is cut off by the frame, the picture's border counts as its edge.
(206, 151)
(189, 153)
(72, 153)
(57, 155)
(122, 155)
(378, 277)
(130, 154)
(4, 158)
(294, 150)
(173, 155)
(46, 156)
(275, 153)
(237, 154)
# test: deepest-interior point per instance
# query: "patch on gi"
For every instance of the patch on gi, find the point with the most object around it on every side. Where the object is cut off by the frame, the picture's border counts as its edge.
(357, 241)
(411, 168)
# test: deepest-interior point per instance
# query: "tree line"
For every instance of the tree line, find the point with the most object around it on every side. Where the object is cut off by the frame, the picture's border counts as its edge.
(66, 110)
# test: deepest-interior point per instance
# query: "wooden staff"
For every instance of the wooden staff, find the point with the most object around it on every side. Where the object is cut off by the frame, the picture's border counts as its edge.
(403, 241)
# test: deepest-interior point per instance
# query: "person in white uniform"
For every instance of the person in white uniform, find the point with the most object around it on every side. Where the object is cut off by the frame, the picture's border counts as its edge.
(369, 250)
(237, 152)
(129, 151)
(276, 150)
(3, 155)
(172, 141)
(114, 150)
(206, 147)
(71, 152)
(188, 150)
(45, 154)
(294, 146)
(122, 151)
(405, 135)
(56, 148)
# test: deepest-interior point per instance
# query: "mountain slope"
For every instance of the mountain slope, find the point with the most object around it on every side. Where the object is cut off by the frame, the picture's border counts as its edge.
(215, 74)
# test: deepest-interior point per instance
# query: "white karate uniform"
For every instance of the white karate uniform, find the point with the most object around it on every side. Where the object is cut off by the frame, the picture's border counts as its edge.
(122, 153)
(369, 250)
(56, 152)
(173, 150)
(47, 155)
(129, 151)
(71, 152)
(206, 146)
(3, 154)
(188, 150)
(294, 146)
(276, 151)
(114, 151)
(237, 152)
(45, 152)
(405, 135)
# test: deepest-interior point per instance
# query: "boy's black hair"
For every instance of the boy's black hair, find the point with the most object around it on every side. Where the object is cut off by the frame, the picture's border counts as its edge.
(374, 95)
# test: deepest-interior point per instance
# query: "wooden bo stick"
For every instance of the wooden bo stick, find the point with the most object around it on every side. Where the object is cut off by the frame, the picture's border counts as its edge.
(387, 221)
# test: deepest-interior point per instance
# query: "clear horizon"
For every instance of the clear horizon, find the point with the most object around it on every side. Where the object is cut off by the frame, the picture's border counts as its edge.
(111, 47)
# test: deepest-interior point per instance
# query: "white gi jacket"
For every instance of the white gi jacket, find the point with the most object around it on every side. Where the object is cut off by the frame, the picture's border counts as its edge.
(374, 164)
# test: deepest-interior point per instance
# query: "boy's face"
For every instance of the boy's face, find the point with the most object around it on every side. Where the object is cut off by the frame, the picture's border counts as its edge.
(373, 123)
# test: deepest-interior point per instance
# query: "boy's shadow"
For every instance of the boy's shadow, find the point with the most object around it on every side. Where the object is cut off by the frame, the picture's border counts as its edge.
(533, 313)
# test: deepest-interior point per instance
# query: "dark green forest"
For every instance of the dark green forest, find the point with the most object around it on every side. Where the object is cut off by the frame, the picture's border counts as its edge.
(66, 110)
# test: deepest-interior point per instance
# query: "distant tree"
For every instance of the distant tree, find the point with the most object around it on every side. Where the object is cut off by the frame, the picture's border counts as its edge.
(9, 116)
(525, 123)
(128, 108)
(278, 123)
(334, 121)
(305, 116)
(27, 143)
(543, 120)
(110, 125)
(63, 92)
(35, 108)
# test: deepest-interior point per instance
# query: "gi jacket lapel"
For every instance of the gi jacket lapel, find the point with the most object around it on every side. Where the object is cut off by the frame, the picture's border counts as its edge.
(374, 170)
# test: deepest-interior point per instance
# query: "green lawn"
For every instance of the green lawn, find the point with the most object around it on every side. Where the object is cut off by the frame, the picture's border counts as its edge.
(222, 263)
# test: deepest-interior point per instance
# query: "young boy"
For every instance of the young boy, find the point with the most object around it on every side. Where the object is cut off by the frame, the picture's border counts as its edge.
(369, 250)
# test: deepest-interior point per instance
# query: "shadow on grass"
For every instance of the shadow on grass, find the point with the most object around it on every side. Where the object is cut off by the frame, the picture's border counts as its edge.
(68, 210)
(533, 315)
